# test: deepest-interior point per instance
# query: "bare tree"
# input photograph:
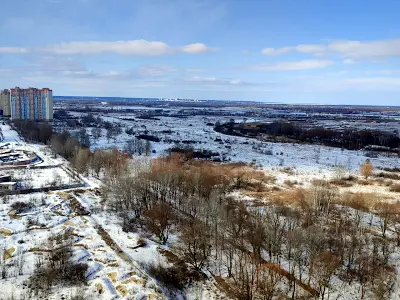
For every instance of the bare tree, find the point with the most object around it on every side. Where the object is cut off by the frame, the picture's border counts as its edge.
(3, 263)
(148, 147)
(159, 220)
(20, 261)
(81, 160)
(383, 282)
(366, 169)
(83, 137)
(387, 214)
(196, 244)
(324, 267)
(96, 133)
(267, 282)
(135, 146)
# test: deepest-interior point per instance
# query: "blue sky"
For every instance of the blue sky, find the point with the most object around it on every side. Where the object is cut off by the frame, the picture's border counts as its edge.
(292, 51)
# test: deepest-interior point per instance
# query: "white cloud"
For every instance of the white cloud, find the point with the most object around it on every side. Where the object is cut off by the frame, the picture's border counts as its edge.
(196, 48)
(13, 50)
(131, 48)
(372, 49)
(155, 71)
(272, 51)
(135, 48)
(345, 48)
(213, 81)
(294, 65)
(310, 48)
(349, 61)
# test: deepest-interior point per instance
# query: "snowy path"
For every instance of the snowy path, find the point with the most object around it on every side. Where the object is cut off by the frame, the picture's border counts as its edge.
(123, 255)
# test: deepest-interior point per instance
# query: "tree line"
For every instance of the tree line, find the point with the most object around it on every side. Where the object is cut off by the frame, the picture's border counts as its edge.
(347, 138)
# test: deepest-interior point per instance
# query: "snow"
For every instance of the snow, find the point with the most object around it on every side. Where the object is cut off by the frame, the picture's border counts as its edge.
(52, 213)
(303, 157)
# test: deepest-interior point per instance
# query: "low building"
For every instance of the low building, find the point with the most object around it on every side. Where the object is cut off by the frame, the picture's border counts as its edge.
(5, 178)
(8, 186)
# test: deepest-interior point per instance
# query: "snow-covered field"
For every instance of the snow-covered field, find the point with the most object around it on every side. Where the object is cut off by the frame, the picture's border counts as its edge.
(109, 275)
(38, 178)
(307, 158)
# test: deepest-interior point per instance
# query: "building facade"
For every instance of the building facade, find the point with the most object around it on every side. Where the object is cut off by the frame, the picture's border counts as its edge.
(5, 104)
(31, 104)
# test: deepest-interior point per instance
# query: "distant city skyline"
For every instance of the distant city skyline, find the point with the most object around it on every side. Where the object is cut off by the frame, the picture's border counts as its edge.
(286, 51)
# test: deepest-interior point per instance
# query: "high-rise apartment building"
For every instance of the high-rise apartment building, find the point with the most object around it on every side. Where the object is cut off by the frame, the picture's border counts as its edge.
(31, 104)
(5, 104)
(47, 99)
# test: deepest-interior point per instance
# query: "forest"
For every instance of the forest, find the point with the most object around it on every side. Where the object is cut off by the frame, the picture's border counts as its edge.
(289, 132)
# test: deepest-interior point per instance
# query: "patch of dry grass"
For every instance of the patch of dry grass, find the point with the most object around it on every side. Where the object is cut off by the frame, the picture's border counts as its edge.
(295, 197)
(135, 280)
(5, 232)
(360, 201)
(122, 290)
(342, 182)
(8, 253)
(395, 188)
(113, 264)
(99, 288)
(113, 276)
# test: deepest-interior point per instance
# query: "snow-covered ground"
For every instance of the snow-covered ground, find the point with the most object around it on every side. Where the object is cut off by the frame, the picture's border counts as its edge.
(303, 157)
(37, 178)
(121, 273)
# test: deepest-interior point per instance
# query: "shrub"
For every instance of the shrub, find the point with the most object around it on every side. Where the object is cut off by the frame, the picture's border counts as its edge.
(388, 175)
(21, 207)
(358, 201)
(74, 273)
(57, 267)
(141, 242)
(341, 182)
(392, 169)
(290, 183)
(366, 169)
(172, 278)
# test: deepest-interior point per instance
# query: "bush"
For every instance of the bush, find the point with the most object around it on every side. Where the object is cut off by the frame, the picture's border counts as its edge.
(57, 267)
(392, 169)
(341, 182)
(74, 273)
(388, 175)
(290, 183)
(21, 207)
(141, 242)
(172, 278)
(366, 169)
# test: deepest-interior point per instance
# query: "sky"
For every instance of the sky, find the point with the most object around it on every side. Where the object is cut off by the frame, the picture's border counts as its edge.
(288, 51)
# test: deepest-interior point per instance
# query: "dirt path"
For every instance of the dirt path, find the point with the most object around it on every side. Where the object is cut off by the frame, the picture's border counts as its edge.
(124, 256)
(105, 236)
